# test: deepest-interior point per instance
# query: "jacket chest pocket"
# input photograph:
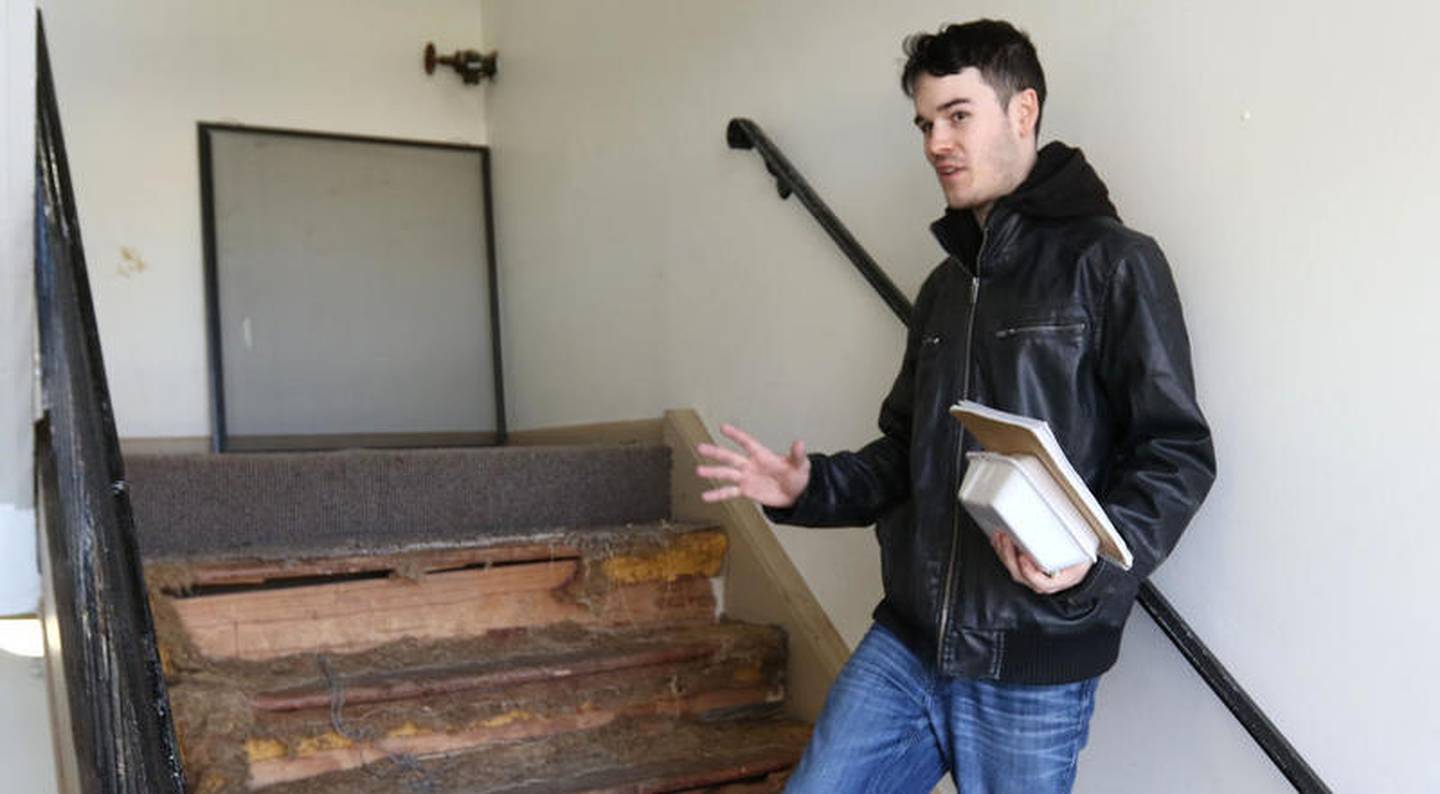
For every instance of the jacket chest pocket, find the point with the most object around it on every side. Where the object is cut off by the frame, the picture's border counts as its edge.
(1040, 354)
(1039, 324)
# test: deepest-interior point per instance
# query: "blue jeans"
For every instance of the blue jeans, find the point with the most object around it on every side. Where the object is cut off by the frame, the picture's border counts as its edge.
(891, 724)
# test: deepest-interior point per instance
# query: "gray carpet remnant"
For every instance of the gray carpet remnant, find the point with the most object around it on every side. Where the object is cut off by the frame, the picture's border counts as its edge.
(203, 504)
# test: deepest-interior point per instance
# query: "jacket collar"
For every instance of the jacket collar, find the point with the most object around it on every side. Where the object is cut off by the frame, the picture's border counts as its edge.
(1061, 185)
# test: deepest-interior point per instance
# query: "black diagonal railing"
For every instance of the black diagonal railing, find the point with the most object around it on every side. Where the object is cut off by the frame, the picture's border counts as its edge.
(745, 134)
(119, 724)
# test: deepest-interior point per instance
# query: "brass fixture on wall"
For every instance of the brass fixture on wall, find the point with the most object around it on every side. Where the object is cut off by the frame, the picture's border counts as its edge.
(472, 65)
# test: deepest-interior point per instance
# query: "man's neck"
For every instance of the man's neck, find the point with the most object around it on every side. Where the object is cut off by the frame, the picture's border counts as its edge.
(982, 211)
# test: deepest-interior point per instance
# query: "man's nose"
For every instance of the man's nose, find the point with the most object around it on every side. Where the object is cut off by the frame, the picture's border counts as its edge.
(939, 143)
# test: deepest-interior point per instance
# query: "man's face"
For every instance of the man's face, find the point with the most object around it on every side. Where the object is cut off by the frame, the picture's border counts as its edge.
(979, 149)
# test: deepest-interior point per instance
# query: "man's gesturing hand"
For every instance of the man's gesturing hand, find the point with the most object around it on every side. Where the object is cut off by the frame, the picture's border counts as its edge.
(758, 474)
(1023, 569)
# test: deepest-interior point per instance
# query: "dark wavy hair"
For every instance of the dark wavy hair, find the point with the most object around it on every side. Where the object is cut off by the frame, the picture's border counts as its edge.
(1004, 55)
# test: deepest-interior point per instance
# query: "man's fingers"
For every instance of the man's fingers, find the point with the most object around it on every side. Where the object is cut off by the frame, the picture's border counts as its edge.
(1005, 550)
(721, 494)
(744, 439)
(797, 453)
(722, 455)
(1044, 583)
(1038, 580)
(719, 473)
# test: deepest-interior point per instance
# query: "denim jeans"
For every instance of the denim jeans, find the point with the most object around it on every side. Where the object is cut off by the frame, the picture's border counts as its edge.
(890, 724)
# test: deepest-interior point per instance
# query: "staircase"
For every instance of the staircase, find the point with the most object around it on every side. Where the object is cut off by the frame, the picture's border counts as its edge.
(520, 619)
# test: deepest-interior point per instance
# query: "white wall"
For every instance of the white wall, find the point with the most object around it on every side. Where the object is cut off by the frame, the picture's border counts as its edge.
(1283, 154)
(26, 754)
(19, 575)
(133, 79)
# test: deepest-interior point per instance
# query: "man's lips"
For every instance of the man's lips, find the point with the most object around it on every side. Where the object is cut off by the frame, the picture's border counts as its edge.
(947, 170)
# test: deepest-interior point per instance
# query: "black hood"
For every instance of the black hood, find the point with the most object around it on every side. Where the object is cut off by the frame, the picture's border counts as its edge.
(1061, 185)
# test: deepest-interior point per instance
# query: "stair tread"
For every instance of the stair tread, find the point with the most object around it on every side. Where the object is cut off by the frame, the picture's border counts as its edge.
(252, 565)
(636, 757)
(525, 658)
(523, 686)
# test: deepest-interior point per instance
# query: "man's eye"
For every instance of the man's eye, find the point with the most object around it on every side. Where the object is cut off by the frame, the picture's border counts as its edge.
(925, 128)
(958, 116)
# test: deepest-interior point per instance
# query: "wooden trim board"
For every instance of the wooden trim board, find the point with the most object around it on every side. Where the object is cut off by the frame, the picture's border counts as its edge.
(762, 584)
(633, 431)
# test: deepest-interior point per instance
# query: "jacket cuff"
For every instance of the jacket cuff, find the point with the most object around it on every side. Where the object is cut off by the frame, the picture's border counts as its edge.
(1103, 578)
(802, 512)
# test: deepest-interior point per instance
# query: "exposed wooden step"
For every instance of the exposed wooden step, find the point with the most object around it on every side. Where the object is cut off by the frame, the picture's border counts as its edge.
(525, 666)
(256, 608)
(634, 757)
(186, 573)
(541, 685)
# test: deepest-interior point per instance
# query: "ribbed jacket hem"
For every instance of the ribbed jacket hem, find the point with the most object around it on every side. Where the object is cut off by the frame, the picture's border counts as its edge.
(1019, 657)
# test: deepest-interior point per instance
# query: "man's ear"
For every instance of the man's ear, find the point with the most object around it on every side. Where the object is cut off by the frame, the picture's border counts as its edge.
(1024, 113)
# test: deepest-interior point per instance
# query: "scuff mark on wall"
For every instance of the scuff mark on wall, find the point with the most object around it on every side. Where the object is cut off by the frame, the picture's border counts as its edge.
(130, 262)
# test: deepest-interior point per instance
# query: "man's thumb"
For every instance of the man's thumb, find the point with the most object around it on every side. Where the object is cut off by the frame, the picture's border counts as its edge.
(797, 453)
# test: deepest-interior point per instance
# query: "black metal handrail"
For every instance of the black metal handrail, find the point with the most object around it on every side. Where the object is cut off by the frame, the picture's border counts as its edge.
(743, 133)
(119, 717)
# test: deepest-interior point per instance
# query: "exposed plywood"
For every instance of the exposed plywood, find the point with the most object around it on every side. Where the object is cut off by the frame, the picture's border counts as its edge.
(762, 585)
(349, 616)
(334, 753)
(209, 573)
(625, 555)
(413, 684)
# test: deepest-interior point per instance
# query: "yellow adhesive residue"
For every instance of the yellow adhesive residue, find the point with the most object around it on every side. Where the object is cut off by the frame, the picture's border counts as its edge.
(750, 674)
(265, 749)
(695, 554)
(330, 740)
(406, 730)
(505, 719)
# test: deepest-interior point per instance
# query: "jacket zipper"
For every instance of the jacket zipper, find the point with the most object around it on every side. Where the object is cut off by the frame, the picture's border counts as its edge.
(1039, 329)
(959, 451)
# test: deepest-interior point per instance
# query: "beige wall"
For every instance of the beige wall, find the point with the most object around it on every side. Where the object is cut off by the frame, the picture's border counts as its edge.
(1282, 153)
(133, 79)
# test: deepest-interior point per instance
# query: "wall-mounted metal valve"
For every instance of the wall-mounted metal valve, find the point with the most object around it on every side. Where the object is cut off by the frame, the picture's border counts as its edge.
(472, 65)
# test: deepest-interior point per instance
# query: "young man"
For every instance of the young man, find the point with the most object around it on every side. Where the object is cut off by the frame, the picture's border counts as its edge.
(978, 662)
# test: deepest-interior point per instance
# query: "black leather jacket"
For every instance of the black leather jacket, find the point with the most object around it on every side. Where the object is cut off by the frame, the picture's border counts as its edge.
(1058, 311)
